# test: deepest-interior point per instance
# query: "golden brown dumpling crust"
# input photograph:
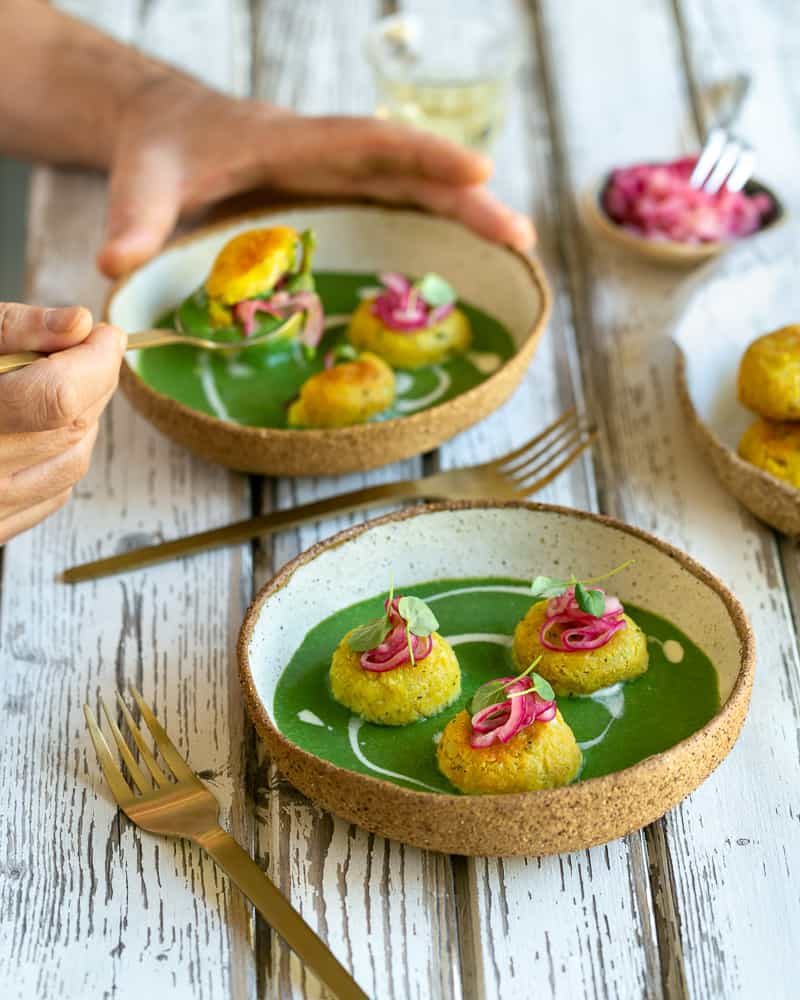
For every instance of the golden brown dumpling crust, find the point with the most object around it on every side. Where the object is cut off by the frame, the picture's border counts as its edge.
(769, 375)
(251, 263)
(542, 755)
(400, 696)
(774, 447)
(623, 657)
(414, 349)
(346, 394)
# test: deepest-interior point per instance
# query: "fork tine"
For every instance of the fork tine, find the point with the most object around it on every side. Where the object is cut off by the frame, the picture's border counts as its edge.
(133, 768)
(565, 417)
(743, 170)
(561, 439)
(543, 456)
(165, 745)
(709, 155)
(724, 165)
(559, 468)
(158, 775)
(118, 785)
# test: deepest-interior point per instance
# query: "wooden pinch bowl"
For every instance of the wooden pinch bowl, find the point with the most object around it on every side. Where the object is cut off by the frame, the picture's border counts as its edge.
(351, 237)
(727, 306)
(668, 252)
(484, 539)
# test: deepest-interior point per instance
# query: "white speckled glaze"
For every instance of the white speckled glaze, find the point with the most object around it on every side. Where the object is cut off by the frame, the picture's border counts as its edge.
(750, 292)
(517, 540)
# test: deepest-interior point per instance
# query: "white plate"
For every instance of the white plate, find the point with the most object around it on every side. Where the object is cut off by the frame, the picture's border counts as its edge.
(753, 290)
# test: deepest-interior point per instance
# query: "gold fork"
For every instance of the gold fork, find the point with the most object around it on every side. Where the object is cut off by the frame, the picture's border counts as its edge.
(160, 338)
(178, 804)
(515, 476)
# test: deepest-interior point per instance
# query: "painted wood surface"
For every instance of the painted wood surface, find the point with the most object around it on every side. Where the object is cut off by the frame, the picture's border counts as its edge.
(702, 904)
(89, 906)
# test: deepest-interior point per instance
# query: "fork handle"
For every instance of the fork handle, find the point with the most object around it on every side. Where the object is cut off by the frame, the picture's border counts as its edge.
(243, 531)
(145, 338)
(279, 913)
(11, 362)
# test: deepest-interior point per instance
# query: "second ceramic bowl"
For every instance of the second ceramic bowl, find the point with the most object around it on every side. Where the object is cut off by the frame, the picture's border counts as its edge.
(666, 251)
(460, 541)
(503, 283)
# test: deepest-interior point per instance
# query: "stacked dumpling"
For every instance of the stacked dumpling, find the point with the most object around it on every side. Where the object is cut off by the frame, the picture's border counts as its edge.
(769, 384)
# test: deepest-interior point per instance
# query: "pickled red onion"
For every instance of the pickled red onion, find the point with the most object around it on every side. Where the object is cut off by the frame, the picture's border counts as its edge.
(656, 200)
(282, 305)
(501, 722)
(393, 651)
(400, 307)
(578, 630)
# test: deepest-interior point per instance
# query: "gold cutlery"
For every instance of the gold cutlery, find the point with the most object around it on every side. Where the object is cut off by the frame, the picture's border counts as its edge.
(515, 476)
(178, 804)
(161, 338)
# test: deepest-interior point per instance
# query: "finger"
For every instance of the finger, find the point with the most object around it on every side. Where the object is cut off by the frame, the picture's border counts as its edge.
(21, 451)
(144, 200)
(57, 391)
(48, 479)
(31, 328)
(392, 148)
(363, 147)
(17, 523)
(475, 206)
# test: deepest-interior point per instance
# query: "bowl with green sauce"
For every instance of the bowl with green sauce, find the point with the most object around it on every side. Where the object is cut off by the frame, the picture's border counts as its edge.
(231, 408)
(645, 743)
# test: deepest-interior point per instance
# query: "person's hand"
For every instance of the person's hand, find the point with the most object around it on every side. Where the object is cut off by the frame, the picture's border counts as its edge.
(180, 146)
(49, 410)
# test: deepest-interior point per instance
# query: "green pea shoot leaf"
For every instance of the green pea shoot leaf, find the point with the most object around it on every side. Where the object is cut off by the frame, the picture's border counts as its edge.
(543, 688)
(593, 602)
(548, 586)
(490, 693)
(435, 290)
(417, 615)
(368, 636)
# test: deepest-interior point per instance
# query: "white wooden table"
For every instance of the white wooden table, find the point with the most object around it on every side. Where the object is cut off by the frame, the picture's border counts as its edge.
(705, 903)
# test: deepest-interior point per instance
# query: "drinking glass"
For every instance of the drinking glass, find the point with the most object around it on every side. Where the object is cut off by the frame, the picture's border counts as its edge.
(448, 75)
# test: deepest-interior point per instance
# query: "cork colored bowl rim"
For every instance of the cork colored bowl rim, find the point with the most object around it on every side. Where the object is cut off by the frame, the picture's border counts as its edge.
(414, 432)
(666, 251)
(552, 821)
(726, 306)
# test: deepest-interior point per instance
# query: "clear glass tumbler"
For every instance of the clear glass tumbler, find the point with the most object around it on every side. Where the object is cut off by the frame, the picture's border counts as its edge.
(448, 75)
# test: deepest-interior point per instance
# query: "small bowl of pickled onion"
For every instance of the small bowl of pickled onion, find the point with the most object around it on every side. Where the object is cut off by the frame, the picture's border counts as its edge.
(652, 209)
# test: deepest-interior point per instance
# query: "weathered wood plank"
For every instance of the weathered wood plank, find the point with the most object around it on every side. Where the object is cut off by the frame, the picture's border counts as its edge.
(88, 905)
(584, 919)
(752, 853)
(387, 908)
(735, 840)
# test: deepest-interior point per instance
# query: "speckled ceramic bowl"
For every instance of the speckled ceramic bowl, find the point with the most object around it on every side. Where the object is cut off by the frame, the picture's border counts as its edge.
(462, 540)
(666, 251)
(505, 284)
(728, 305)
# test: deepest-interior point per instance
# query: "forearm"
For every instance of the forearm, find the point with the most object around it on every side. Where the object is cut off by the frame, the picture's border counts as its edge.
(65, 85)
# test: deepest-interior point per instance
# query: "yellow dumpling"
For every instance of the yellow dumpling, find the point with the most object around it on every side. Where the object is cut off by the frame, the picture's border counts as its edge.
(251, 263)
(413, 349)
(769, 375)
(346, 394)
(623, 657)
(400, 696)
(774, 447)
(542, 755)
